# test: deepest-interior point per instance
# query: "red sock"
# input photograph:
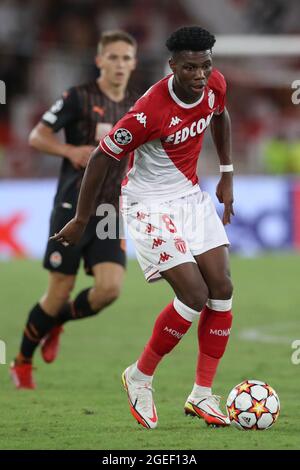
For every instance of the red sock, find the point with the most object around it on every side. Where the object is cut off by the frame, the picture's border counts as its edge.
(213, 334)
(168, 330)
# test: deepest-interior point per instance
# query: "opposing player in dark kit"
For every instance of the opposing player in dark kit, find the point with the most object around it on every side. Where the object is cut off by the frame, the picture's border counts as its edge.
(86, 113)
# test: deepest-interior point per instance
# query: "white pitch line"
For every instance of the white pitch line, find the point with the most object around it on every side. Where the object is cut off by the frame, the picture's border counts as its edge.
(258, 336)
(272, 333)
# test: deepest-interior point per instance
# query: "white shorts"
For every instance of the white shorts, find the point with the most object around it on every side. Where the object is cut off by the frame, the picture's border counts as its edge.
(170, 233)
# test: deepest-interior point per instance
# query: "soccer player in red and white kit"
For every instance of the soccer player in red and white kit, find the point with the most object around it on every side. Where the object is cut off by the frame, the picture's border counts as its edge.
(164, 131)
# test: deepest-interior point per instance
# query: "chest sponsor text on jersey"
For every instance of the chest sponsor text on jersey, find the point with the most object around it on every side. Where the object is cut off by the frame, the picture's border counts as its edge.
(196, 128)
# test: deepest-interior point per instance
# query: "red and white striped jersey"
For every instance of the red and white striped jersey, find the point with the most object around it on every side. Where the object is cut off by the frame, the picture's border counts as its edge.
(165, 137)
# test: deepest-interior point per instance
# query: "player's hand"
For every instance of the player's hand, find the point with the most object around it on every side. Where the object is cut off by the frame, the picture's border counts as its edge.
(79, 156)
(224, 193)
(71, 233)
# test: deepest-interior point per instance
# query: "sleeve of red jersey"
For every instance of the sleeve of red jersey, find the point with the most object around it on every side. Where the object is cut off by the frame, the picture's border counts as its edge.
(220, 87)
(134, 129)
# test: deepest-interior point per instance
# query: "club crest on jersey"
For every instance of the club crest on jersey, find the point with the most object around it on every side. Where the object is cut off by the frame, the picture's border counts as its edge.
(211, 99)
(55, 259)
(196, 128)
(180, 245)
(122, 136)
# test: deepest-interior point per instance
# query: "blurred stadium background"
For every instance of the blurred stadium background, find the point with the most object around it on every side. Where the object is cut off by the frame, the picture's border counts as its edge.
(47, 46)
(50, 46)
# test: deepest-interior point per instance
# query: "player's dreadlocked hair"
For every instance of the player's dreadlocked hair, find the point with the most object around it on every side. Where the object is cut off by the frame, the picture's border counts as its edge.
(190, 38)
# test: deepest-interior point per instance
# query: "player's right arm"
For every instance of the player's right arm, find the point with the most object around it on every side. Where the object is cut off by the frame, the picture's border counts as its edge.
(93, 180)
(133, 130)
(43, 138)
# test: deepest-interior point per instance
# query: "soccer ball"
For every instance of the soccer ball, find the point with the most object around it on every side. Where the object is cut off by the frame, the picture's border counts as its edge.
(253, 404)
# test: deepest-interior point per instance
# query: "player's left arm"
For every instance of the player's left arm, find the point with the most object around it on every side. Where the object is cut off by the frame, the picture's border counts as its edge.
(221, 134)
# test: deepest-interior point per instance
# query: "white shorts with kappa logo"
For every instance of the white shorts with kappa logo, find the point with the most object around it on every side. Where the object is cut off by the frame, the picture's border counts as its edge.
(167, 234)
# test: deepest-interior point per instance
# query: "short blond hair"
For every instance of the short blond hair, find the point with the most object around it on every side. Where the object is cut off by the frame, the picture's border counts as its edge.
(107, 37)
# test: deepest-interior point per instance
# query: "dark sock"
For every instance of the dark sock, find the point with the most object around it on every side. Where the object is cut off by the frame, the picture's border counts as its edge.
(79, 308)
(37, 326)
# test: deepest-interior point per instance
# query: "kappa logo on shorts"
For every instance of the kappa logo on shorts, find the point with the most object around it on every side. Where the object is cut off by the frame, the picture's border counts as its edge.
(157, 242)
(180, 245)
(55, 259)
(150, 228)
(164, 257)
(141, 215)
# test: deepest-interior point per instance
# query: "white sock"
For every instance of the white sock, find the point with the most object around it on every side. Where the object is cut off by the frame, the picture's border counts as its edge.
(199, 391)
(136, 374)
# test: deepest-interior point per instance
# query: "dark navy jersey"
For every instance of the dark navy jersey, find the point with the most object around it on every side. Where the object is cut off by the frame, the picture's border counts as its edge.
(86, 115)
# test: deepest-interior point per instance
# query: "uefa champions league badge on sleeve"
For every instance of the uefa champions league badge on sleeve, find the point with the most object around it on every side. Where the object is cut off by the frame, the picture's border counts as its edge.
(122, 136)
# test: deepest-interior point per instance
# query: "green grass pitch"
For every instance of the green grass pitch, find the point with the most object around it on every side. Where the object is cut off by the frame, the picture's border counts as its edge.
(80, 403)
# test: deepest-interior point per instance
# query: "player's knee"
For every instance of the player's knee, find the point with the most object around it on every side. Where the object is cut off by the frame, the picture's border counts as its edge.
(63, 293)
(222, 289)
(61, 289)
(196, 299)
(104, 295)
(111, 293)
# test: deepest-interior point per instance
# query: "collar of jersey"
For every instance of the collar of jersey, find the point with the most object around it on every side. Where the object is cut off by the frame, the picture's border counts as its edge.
(177, 100)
